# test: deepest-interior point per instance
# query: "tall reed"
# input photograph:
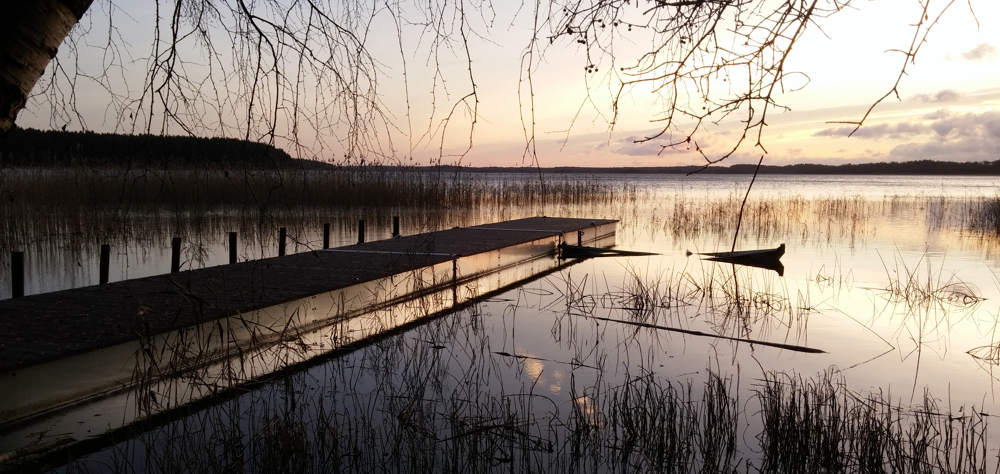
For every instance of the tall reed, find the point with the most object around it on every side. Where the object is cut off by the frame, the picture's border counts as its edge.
(818, 425)
(440, 399)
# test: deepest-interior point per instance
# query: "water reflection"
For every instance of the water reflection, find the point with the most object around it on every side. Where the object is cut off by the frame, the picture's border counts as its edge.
(564, 373)
(484, 389)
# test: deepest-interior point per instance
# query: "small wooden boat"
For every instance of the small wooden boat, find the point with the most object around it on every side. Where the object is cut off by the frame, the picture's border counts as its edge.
(579, 251)
(762, 254)
(769, 259)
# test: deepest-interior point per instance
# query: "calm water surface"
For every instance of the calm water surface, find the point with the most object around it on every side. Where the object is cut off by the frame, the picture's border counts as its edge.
(880, 273)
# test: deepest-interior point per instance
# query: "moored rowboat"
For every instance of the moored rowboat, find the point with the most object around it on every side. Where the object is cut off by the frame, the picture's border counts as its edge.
(762, 254)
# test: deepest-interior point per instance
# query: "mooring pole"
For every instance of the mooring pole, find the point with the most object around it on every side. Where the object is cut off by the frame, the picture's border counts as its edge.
(361, 231)
(105, 263)
(395, 226)
(454, 281)
(16, 274)
(282, 235)
(326, 236)
(175, 255)
(232, 248)
(579, 238)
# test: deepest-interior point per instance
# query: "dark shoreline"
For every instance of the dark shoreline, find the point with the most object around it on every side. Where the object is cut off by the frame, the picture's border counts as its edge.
(29, 148)
(923, 167)
(915, 168)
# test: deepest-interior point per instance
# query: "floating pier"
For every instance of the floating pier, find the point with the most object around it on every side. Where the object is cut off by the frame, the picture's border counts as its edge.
(134, 348)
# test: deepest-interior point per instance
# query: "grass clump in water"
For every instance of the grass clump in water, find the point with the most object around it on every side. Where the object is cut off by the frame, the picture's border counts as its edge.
(984, 216)
(818, 425)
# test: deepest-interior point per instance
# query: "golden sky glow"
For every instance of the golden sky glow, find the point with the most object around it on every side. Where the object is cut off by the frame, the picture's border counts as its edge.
(947, 106)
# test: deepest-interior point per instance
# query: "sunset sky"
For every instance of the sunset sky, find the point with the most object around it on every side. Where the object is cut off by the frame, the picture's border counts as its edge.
(947, 110)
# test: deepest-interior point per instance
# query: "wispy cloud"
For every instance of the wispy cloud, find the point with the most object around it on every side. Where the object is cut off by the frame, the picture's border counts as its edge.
(957, 137)
(963, 149)
(941, 135)
(947, 95)
(983, 126)
(876, 132)
(942, 124)
(983, 52)
(629, 148)
(635, 145)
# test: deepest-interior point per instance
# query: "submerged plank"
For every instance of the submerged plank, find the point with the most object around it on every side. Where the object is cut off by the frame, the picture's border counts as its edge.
(691, 332)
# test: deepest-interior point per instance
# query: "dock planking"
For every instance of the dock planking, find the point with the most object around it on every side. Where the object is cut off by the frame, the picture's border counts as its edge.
(50, 326)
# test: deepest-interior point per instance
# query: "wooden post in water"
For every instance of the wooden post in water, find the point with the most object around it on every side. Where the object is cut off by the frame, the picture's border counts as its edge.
(105, 264)
(282, 236)
(175, 255)
(232, 248)
(395, 226)
(361, 231)
(16, 274)
(326, 236)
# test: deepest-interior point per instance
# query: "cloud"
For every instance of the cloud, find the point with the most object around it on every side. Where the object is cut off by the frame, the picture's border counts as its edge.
(876, 132)
(966, 149)
(947, 95)
(957, 137)
(938, 114)
(983, 52)
(641, 149)
(941, 135)
(941, 125)
(834, 132)
(628, 146)
(985, 126)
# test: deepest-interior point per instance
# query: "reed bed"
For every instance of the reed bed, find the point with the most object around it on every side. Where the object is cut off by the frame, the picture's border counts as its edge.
(822, 219)
(984, 216)
(117, 206)
(921, 283)
(198, 191)
(63, 215)
(409, 415)
(819, 425)
(731, 301)
(143, 207)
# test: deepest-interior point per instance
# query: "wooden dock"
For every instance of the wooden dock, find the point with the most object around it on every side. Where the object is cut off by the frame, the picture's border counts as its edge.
(81, 362)
(45, 327)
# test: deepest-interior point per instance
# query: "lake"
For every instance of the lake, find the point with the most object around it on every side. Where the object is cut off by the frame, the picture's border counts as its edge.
(876, 345)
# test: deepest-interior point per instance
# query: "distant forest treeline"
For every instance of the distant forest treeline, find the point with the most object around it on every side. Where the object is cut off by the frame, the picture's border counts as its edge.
(36, 148)
(30, 147)
(922, 167)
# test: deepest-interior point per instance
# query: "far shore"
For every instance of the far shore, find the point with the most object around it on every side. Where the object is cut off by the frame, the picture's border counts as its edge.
(53, 149)
(910, 168)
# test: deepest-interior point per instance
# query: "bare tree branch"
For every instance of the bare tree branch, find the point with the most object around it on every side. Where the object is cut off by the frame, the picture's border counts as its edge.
(921, 31)
(302, 71)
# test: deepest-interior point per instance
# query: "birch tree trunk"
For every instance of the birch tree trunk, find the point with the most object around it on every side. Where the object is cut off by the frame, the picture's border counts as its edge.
(30, 34)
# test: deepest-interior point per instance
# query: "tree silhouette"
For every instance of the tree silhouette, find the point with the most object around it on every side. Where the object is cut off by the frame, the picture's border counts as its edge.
(297, 69)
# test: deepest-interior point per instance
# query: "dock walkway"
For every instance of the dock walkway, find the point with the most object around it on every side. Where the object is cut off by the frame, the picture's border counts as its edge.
(41, 328)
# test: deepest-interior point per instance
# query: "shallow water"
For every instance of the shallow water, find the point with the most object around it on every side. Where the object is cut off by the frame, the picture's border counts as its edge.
(880, 273)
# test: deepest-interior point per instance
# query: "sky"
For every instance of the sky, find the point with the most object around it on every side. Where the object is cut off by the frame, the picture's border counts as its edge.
(948, 106)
